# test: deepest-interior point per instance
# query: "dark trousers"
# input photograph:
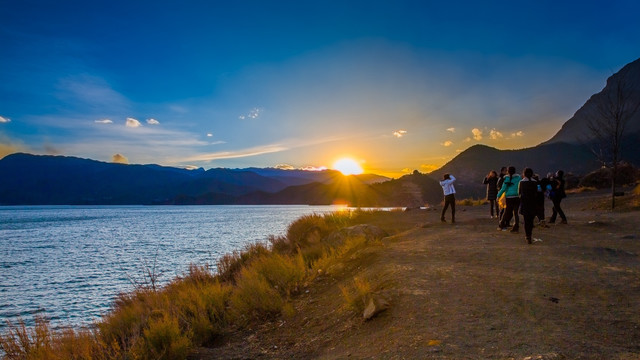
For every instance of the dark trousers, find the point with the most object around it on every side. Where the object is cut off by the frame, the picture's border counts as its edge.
(449, 200)
(557, 210)
(494, 204)
(513, 204)
(528, 225)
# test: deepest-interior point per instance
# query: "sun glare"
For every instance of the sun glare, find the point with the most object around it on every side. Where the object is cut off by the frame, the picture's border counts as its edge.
(348, 166)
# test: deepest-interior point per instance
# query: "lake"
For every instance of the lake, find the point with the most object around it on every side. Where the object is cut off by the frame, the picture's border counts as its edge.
(69, 262)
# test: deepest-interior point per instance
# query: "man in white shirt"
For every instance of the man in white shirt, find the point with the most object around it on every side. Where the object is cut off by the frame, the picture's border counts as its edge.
(449, 196)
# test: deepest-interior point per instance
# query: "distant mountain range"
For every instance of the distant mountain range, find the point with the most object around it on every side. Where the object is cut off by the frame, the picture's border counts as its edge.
(40, 180)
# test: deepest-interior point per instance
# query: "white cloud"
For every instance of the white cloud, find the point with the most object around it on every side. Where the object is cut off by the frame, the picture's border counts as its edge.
(495, 134)
(447, 143)
(451, 129)
(153, 122)
(4, 119)
(104, 121)
(477, 133)
(517, 134)
(399, 133)
(133, 123)
(284, 167)
(209, 135)
(252, 114)
(267, 149)
(467, 139)
(314, 168)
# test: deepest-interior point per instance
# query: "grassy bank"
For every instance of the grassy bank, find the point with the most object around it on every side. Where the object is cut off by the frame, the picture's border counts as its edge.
(198, 308)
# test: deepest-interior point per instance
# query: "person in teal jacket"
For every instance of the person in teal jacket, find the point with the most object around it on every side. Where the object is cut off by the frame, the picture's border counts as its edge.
(510, 189)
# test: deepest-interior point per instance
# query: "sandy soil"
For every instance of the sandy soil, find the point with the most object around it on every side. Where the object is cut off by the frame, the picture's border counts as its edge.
(468, 291)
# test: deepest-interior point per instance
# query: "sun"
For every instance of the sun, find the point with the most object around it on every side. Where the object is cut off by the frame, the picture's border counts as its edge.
(348, 166)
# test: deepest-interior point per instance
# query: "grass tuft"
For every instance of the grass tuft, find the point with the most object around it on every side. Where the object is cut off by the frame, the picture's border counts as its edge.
(357, 295)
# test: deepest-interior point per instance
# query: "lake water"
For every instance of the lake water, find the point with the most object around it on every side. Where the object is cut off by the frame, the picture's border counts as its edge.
(69, 262)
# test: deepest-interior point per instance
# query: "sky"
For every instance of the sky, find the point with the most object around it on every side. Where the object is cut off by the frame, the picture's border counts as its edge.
(395, 85)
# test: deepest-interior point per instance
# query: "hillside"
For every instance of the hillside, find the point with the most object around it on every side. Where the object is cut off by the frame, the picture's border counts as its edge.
(469, 292)
(570, 149)
(575, 130)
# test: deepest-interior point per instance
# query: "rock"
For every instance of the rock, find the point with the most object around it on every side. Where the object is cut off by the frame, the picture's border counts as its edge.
(376, 305)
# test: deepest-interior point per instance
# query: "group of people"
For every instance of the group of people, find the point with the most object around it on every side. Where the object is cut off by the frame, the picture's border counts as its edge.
(511, 195)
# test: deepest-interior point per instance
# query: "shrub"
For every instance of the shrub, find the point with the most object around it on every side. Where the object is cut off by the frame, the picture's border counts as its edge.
(230, 264)
(471, 202)
(254, 297)
(601, 178)
(163, 339)
(282, 272)
(356, 296)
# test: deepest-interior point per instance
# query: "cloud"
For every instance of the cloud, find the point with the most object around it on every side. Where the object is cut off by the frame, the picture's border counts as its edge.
(133, 123)
(153, 122)
(451, 129)
(517, 134)
(252, 114)
(209, 135)
(236, 154)
(119, 159)
(495, 134)
(314, 168)
(51, 150)
(399, 133)
(477, 134)
(4, 120)
(447, 143)
(467, 139)
(284, 167)
(104, 121)
(8, 146)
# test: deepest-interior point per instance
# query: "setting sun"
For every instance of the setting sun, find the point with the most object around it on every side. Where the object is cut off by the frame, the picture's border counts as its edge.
(348, 166)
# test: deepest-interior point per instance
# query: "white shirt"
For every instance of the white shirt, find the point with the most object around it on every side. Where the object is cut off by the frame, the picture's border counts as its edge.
(447, 185)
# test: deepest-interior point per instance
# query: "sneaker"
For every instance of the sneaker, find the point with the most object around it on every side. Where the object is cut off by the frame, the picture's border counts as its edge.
(514, 230)
(443, 220)
(528, 238)
(563, 222)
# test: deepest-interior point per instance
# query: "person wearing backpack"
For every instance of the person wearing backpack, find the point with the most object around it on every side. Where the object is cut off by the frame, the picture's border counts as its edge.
(510, 189)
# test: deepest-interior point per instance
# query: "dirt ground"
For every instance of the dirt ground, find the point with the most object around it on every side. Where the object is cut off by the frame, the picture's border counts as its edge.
(469, 291)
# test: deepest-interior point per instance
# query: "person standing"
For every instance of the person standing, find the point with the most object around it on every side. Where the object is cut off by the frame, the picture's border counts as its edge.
(449, 196)
(491, 181)
(510, 189)
(556, 196)
(503, 173)
(528, 192)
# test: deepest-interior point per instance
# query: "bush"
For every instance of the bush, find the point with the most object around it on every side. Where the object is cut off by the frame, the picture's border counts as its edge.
(601, 178)
(163, 339)
(230, 264)
(356, 296)
(254, 297)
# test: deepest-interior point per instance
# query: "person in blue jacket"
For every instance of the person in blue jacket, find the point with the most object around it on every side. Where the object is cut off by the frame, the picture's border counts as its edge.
(510, 187)
(449, 196)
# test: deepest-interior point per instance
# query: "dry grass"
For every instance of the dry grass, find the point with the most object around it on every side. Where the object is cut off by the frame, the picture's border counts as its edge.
(471, 202)
(197, 308)
(581, 189)
(357, 295)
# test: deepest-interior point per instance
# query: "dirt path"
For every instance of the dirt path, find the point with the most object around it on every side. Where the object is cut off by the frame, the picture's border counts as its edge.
(468, 291)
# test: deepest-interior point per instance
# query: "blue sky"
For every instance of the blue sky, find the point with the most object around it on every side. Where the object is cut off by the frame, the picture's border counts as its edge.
(395, 85)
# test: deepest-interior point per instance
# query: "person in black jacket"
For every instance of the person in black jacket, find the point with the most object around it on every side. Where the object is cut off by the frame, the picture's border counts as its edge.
(556, 196)
(491, 181)
(528, 191)
(543, 188)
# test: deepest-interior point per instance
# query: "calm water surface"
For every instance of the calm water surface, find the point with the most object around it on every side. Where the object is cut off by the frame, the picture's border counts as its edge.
(69, 262)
